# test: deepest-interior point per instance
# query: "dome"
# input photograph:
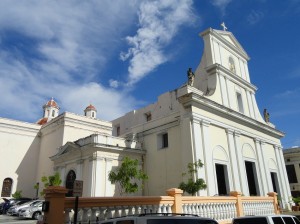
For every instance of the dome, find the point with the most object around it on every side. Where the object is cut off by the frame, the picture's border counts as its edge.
(90, 107)
(51, 103)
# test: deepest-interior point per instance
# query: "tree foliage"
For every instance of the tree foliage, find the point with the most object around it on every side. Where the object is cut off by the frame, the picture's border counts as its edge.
(192, 186)
(127, 176)
(17, 194)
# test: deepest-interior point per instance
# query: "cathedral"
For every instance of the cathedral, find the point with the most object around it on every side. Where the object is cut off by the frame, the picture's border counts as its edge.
(213, 117)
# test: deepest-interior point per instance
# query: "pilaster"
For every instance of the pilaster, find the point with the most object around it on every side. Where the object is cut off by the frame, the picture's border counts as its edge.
(92, 175)
(108, 167)
(241, 163)
(197, 138)
(79, 165)
(62, 173)
(223, 89)
(262, 169)
(100, 177)
(233, 161)
(250, 104)
(227, 92)
(284, 183)
(208, 159)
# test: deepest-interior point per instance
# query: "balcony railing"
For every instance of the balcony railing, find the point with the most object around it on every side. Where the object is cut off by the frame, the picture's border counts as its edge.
(92, 210)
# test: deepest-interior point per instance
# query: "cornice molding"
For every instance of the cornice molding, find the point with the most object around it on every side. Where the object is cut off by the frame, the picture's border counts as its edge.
(220, 69)
(193, 99)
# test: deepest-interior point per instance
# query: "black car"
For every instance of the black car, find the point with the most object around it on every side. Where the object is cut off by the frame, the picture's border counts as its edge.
(10, 202)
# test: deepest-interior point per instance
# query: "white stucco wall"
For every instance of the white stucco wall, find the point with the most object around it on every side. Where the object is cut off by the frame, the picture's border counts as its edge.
(19, 150)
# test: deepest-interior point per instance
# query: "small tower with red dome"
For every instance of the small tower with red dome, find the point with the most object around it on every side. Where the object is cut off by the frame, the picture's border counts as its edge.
(90, 111)
(51, 110)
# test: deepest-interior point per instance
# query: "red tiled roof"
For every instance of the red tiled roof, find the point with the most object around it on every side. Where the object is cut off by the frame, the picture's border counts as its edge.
(51, 103)
(42, 121)
(91, 107)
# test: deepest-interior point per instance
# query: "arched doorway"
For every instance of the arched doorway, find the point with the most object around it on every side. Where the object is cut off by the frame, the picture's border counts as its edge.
(6, 187)
(71, 177)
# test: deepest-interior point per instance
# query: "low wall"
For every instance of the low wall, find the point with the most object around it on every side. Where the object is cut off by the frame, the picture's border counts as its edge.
(91, 210)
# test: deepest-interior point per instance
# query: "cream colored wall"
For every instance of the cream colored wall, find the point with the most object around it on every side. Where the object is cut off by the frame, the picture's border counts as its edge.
(64, 128)
(293, 159)
(218, 137)
(19, 150)
(51, 139)
(96, 162)
(245, 130)
(163, 166)
(165, 105)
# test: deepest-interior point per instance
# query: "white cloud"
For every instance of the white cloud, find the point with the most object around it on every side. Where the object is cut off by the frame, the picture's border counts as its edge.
(62, 47)
(290, 94)
(221, 4)
(159, 21)
(255, 16)
(108, 102)
(113, 83)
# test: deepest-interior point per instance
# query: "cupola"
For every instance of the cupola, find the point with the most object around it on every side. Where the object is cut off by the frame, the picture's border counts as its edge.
(90, 111)
(51, 110)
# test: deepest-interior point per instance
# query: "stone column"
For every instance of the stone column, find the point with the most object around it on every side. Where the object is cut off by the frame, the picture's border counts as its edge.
(262, 170)
(284, 183)
(241, 163)
(99, 169)
(227, 92)
(233, 161)
(223, 89)
(108, 186)
(79, 164)
(267, 171)
(208, 158)
(92, 176)
(177, 195)
(250, 104)
(198, 149)
(62, 173)
(256, 116)
(239, 203)
(55, 197)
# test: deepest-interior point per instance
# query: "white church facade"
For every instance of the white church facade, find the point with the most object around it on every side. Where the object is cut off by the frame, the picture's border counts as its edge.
(213, 117)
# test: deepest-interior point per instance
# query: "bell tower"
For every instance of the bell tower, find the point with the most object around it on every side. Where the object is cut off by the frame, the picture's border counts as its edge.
(90, 111)
(51, 110)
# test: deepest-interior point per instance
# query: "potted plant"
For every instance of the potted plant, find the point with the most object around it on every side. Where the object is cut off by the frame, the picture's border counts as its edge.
(296, 206)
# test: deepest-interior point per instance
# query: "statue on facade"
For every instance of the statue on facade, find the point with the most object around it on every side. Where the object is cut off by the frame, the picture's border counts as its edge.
(191, 77)
(266, 115)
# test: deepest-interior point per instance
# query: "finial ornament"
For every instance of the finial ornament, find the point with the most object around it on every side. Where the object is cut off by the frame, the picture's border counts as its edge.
(224, 26)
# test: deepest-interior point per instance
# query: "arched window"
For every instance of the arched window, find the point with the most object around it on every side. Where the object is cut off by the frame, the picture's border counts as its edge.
(71, 177)
(231, 64)
(53, 113)
(6, 187)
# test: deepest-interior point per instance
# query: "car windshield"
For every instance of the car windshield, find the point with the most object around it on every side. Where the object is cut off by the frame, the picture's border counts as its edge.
(259, 220)
(181, 221)
(38, 204)
(26, 203)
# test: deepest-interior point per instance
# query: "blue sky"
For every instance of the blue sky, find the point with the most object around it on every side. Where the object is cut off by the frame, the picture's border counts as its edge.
(83, 52)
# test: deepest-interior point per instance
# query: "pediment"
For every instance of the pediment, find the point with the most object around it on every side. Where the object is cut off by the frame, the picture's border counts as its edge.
(68, 147)
(229, 39)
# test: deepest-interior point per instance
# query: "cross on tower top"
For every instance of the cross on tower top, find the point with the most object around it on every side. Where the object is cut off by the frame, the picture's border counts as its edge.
(224, 26)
